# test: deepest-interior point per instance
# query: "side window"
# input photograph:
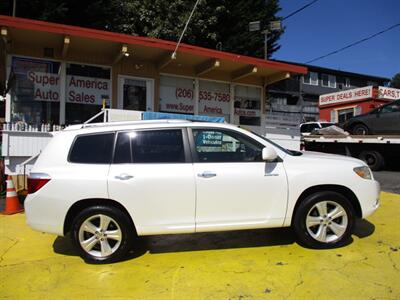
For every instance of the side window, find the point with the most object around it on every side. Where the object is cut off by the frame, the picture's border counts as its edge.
(394, 107)
(123, 153)
(213, 145)
(153, 146)
(92, 149)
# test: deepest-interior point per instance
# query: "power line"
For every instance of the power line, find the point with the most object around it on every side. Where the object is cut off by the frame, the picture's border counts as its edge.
(299, 10)
(353, 44)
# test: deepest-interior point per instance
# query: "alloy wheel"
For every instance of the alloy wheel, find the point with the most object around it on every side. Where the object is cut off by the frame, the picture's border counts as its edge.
(100, 235)
(326, 221)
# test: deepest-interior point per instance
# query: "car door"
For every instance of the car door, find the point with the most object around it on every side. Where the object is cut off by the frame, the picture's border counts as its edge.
(388, 119)
(235, 188)
(152, 176)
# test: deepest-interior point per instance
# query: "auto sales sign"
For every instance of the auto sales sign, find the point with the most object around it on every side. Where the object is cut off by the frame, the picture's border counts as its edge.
(346, 96)
(388, 93)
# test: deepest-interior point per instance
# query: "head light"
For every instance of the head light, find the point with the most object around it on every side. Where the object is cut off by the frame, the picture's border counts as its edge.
(363, 172)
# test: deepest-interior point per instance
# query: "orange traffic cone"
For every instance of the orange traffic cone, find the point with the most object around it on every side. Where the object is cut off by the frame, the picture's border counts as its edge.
(12, 203)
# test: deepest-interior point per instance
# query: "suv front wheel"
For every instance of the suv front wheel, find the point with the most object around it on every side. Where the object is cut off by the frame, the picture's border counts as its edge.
(324, 220)
(102, 234)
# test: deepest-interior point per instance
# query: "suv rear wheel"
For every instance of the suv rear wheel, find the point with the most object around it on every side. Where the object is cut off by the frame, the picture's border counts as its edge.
(324, 220)
(102, 234)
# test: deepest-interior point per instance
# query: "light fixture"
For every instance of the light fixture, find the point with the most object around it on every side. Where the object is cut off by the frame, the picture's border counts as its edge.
(124, 50)
(4, 31)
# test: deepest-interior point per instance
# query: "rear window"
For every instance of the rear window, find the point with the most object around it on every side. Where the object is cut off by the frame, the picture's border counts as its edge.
(325, 125)
(92, 149)
(308, 127)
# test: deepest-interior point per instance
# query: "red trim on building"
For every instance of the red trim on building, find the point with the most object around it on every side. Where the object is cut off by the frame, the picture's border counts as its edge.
(35, 25)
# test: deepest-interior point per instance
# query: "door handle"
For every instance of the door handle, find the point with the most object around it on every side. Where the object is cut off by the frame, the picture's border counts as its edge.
(206, 174)
(123, 176)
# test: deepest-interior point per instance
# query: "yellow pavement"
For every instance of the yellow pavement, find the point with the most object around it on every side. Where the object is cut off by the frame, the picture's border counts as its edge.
(257, 264)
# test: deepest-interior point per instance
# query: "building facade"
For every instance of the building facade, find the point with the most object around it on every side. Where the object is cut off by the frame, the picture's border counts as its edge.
(55, 75)
(62, 74)
(295, 100)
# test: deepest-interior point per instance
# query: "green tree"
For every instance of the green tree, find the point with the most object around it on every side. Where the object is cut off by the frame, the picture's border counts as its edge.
(216, 23)
(395, 82)
(235, 35)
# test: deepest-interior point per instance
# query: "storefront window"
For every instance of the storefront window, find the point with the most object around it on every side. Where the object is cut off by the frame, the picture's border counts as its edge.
(134, 94)
(248, 105)
(176, 94)
(345, 114)
(87, 87)
(35, 91)
(214, 99)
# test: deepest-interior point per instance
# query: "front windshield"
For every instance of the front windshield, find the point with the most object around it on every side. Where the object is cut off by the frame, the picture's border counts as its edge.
(324, 125)
(287, 151)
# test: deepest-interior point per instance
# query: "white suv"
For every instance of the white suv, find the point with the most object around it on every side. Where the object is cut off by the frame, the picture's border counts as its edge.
(106, 183)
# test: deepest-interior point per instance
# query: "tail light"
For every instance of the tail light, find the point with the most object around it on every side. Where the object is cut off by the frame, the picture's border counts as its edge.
(36, 181)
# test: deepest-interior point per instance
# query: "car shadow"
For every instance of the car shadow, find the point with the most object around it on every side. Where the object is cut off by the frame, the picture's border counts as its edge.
(63, 245)
(363, 228)
(220, 240)
(158, 244)
(194, 242)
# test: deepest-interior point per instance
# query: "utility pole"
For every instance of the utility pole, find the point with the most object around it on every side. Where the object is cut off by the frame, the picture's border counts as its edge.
(301, 100)
(14, 12)
(265, 44)
(271, 26)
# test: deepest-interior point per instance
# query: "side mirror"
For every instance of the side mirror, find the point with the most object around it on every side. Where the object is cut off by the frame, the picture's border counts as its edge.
(269, 154)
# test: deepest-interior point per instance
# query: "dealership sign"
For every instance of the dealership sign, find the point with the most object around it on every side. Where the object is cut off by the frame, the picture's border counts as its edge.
(87, 90)
(176, 94)
(214, 98)
(388, 93)
(346, 96)
(46, 86)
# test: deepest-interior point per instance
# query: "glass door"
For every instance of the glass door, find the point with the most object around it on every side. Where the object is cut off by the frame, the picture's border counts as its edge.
(135, 93)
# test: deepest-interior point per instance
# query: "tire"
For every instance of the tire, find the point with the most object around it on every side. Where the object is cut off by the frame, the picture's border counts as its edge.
(318, 226)
(360, 129)
(87, 229)
(373, 159)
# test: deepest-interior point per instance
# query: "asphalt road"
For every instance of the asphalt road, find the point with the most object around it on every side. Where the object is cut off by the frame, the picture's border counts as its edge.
(389, 180)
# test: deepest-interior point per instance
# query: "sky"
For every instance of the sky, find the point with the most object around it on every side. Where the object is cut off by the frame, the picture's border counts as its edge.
(328, 25)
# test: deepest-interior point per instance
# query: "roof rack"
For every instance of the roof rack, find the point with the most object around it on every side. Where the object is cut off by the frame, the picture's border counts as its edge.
(139, 122)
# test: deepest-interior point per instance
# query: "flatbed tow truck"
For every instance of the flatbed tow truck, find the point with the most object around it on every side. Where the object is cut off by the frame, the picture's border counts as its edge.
(377, 151)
